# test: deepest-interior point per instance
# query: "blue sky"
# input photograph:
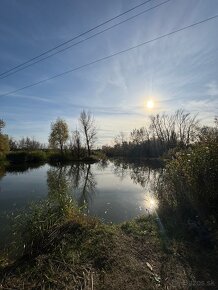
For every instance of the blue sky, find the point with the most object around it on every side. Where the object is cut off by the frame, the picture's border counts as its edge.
(180, 71)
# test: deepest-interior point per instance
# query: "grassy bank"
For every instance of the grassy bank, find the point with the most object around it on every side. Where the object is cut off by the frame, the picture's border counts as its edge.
(40, 156)
(56, 246)
(61, 248)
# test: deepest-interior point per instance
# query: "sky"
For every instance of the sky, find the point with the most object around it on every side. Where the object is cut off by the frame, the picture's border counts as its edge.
(178, 71)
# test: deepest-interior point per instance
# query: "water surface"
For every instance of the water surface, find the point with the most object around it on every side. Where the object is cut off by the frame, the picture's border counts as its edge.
(112, 191)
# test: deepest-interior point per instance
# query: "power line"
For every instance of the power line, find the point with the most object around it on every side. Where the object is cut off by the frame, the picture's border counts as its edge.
(77, 36)
(112, 55)
(83, 40)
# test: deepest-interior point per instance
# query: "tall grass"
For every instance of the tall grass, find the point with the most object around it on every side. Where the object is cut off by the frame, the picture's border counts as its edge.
(194, 172)
(26, 156)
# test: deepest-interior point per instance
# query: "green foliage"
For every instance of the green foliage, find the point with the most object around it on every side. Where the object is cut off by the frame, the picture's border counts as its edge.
(99, 154)
(4, 142)
(61, 247)
(141, 227)
(26, 156)
(40, 221)
(2, 125)
(36, 156)
(59, 134)
(41, 156)
(196, 171)
(4, 145)
(54, 157)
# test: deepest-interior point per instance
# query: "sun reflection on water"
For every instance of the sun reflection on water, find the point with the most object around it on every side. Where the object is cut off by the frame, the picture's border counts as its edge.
(151, 203)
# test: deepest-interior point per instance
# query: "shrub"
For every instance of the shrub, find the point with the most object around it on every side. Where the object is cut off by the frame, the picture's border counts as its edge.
(23, 157)
(55, 157)
(4, 146)
(195, 172)
(36, 156)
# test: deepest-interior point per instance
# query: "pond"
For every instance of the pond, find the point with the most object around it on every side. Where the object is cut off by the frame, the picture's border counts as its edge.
(116, 191)
(112, 191)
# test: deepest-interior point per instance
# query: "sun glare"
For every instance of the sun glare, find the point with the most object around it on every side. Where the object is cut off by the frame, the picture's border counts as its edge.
(150, 104)
(151, 203)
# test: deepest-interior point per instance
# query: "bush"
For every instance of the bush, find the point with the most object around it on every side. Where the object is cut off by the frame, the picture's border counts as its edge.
(23, 157)
(55, 157)
(195, 172)
(4, 146)
(17, 157)
(36, 156)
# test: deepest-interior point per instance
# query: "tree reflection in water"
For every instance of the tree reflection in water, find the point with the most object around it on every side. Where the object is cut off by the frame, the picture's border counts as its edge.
(2, 171)
(71, 182)
(146, 174)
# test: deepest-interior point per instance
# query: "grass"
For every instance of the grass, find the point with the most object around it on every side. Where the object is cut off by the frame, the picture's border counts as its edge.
(61, 248)
(188, 199)
(18, 157)
(40, 156)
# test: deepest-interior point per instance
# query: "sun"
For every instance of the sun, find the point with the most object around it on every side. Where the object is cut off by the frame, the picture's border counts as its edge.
(150, 104)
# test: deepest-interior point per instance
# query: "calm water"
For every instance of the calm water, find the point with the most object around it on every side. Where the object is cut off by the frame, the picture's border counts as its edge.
(114, 192)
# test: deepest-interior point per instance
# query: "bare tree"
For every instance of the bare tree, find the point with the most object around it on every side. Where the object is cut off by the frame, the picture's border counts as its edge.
(179, 127)
(138, 136)
(186, 126)
(76, 143)
(88, 129)
(120, 139)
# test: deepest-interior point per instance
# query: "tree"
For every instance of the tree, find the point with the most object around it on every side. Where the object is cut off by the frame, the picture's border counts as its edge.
(120, 139)
(178, 128)
(13, 144)
(29, 144)
(4, 144)
(75, 143)
(2, 125)
(59, 134)
(88, 128)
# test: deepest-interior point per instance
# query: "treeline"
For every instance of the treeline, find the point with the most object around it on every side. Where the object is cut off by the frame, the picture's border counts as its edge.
(62, 145)
(162, 134)
(25, 143)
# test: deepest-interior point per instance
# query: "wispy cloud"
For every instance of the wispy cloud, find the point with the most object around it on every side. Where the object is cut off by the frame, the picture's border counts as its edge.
(212, 88)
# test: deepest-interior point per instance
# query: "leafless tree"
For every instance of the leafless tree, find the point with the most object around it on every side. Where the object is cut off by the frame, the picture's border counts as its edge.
(76, 143)
(138, 136)
(120, 139)
(186, 126)
(88, 128)
(179, 127)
